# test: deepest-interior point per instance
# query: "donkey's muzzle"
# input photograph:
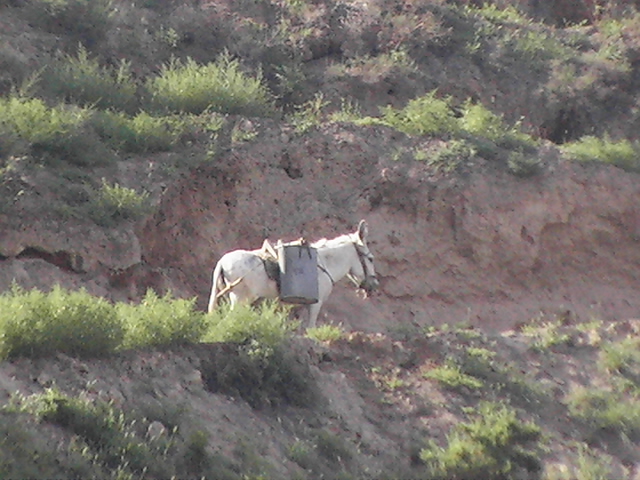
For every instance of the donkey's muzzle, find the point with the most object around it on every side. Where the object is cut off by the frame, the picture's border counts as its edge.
(370, 284)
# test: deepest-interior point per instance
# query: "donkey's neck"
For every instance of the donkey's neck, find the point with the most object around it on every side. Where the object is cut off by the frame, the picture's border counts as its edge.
(337, 258)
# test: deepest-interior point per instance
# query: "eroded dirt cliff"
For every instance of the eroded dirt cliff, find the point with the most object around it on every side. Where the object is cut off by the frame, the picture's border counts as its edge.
(480, 246)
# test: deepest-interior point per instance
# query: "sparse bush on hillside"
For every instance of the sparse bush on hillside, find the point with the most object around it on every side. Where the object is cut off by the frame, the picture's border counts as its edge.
(262, 376)
(33, 121)
(86, 21)
(426, 115)
(609, 410)
(622, 153)
(395, 63)
(510, 36)
(477, 130)
(98, 440)
(115, 443)
(449, 157)
(523, 165)
(13, 70)
(82, 80)
(262, 370)
(142, 133)
(25, 453)
(309, 115)
(591, 464)
(472, 364)
(51, 133)
(266, 328)
(546, 334)
(34, 323)
(160, 321)
(493, 446)
(332, 447)
(481, 122)
(221, 86)
(114, 203)
(622, 357)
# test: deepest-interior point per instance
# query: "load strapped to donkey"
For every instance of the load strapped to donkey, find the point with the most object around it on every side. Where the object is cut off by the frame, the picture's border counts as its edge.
(295, 270)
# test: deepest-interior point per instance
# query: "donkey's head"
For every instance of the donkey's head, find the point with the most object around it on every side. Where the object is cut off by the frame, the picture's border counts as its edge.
(362, 271)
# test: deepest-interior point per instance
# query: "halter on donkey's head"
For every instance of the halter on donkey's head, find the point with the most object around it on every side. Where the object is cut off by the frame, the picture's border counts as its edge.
(368, 280)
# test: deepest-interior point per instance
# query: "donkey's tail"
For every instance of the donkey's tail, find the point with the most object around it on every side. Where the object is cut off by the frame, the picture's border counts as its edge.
(218, 280)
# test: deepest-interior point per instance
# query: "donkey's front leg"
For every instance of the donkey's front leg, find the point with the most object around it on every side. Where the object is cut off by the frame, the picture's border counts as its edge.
(314, 311)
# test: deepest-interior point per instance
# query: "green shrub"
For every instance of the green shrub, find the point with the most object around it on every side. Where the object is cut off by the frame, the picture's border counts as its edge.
(511, 36)
(262, 369)
(490, 447)
(623, 153)
(114, 203)
(158, 321)
(142, 133)
(504, 377)
(449, 157)
(546, 334)
(26, 453)
(523, 165)
(262, 376)
(622, 357)
(221, 86)
(86, 21)
(593, 466)
(301, 453)
(34, 323)
(36, 123)
(426, 115)
(105, 431)
(84, 81)
(60, 132)
(266, 328)
(309, 115)
(332, 447)
(482, 123)
(606, 410)
(196, 458)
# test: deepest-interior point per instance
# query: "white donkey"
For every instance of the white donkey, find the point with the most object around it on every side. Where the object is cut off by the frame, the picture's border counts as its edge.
(243, 275)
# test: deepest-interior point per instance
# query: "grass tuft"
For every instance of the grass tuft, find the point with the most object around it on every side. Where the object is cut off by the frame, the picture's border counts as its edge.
(325, 333)
(453, 378)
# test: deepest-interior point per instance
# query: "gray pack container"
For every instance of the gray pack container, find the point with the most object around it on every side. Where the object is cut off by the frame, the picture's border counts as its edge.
(298, 273)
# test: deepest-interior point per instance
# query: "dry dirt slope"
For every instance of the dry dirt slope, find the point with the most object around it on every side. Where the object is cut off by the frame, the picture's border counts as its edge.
(374, 408)
(480, 248)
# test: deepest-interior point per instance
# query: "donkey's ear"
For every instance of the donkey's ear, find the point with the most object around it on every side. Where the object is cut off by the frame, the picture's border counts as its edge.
(363, 230)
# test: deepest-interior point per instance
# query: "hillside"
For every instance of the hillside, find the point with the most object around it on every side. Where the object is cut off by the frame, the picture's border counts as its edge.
(493, 151)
